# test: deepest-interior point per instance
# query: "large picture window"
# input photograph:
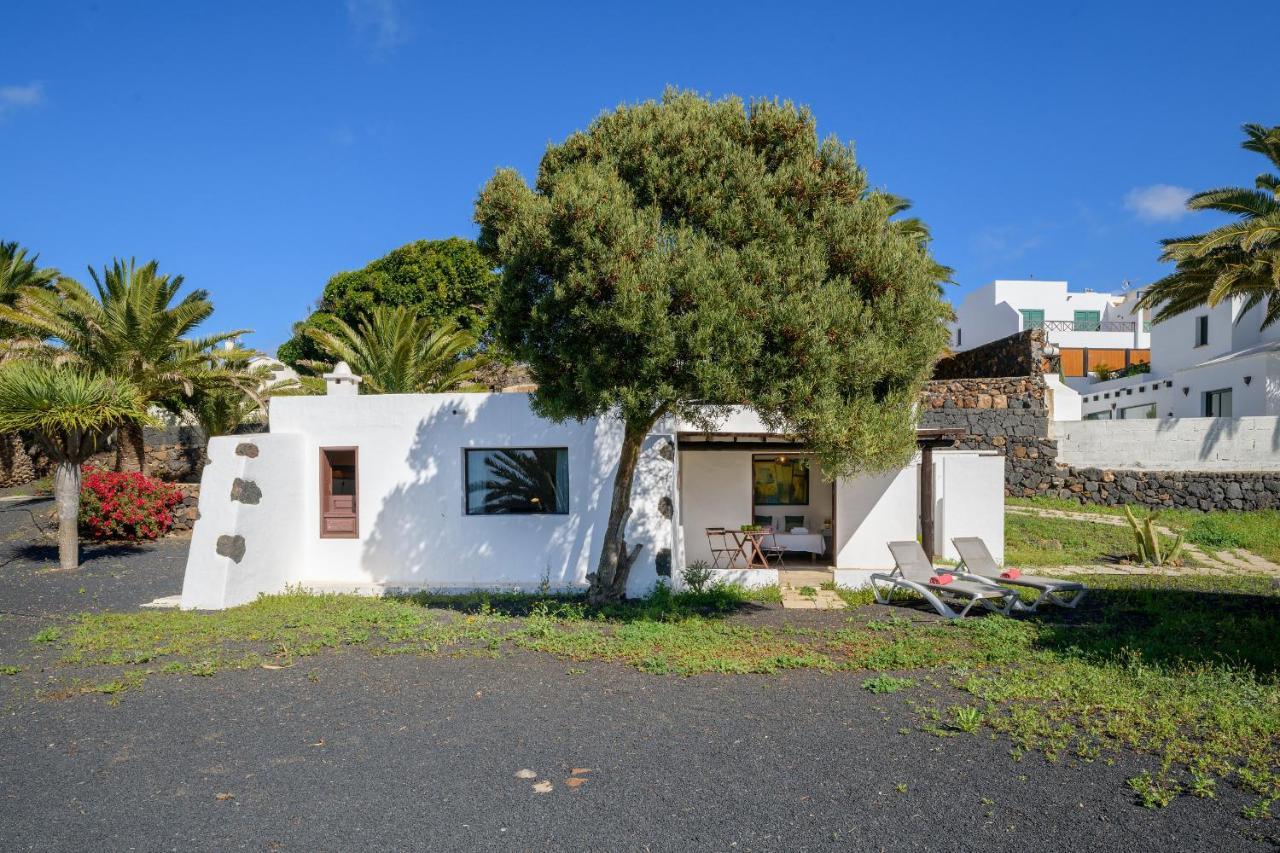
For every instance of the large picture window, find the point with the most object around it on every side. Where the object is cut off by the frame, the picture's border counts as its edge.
(780, 481)
(517, 481)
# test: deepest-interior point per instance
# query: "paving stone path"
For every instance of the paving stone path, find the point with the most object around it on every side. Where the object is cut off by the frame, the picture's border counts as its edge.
(1237, 561)
(802, 590)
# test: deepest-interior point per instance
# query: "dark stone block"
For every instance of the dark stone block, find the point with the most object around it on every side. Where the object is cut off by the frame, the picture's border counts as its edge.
(232, 547)
(245, 491)
(663, 562)
(247, 448)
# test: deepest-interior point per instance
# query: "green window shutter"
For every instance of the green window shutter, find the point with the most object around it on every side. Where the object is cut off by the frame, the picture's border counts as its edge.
(1088, 321)
(1032, 318)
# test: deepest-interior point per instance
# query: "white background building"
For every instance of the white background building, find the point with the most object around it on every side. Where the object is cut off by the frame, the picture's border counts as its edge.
(1211, 362)
(1083, 319)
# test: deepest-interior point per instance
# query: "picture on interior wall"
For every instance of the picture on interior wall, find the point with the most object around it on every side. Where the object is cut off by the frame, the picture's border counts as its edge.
(780, 481)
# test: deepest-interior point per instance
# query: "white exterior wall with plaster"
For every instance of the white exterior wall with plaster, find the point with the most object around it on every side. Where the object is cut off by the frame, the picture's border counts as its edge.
(1173, 444)
(413, 531)
(1236, 354)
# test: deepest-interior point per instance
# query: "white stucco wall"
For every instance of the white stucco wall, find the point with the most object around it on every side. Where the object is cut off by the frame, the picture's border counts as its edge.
(413, 529)
(968, 499)
(1173, 444)
(873, 511)
(715, 491)
(272, 529)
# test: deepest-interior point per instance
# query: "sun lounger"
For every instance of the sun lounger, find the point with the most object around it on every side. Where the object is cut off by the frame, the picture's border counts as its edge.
(913, 573)
(978, 564)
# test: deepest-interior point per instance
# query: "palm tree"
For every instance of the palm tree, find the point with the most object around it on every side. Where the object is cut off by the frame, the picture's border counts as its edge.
(132, 329)
(17, 271)
(70, 413)
(1239, 259)
(398, 352)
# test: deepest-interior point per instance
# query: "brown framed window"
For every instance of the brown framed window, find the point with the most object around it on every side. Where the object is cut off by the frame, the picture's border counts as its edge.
(339, 493)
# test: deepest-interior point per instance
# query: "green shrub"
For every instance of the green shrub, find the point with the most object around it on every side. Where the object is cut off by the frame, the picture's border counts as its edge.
(697, 576)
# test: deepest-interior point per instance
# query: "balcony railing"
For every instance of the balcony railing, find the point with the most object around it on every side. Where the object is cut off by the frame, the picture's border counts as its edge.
(1073, 326)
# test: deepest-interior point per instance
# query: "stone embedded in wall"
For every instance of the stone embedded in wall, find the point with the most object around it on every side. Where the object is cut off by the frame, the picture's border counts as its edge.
(665, 506)
(245, 491)
(667, 450)
(247, 448)
(231, 547)
(662, 560)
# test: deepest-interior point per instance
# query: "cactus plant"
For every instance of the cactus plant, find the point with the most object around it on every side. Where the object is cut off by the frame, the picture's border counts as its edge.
(1150, 551)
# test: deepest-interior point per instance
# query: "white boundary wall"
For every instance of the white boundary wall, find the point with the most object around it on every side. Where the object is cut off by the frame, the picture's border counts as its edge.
(1172, 444)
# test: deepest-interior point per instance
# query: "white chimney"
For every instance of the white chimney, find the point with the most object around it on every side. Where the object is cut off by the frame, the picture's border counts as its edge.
(342, 382)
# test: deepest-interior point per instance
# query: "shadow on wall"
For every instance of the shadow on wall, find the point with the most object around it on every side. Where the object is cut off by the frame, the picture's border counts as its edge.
(421, 535)
(1217, 430)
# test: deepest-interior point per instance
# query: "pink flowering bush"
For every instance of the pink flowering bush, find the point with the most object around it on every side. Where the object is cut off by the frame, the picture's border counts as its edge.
(125, 505)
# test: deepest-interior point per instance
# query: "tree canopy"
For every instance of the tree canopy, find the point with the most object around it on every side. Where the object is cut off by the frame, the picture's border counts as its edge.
(685, 253)
(447, 282)
(397, 352)
(132, 326)
(1241, 258)
(69, 411)
(18, 271)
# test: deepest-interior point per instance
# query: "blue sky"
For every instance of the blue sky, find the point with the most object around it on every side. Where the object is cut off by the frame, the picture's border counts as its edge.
(258, 148)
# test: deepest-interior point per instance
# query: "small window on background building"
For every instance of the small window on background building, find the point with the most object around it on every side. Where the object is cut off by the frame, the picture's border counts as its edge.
(1217, 404)
(517, 481)
(339, 493)
(1202, 331)
(1032, 318)
(959, 337)
(1087, 321)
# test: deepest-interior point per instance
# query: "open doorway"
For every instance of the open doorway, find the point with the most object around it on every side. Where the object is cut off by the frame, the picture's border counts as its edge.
(790, 497)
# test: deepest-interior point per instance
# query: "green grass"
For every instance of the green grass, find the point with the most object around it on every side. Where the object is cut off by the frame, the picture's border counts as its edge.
(1184, 669)
(1033, 541)
(1257, 531)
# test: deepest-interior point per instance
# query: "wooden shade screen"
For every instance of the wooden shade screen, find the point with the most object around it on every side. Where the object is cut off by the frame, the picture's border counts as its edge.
(339, 493)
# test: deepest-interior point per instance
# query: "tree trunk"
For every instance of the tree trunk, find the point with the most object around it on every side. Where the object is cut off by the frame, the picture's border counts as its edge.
(66, 495)
(609, 583)
(131, 450)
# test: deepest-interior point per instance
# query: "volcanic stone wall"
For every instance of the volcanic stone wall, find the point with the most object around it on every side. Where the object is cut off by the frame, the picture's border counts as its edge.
(1009, 413)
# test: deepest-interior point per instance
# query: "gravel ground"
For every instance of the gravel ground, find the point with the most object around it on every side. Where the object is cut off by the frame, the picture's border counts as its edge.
(349, 750)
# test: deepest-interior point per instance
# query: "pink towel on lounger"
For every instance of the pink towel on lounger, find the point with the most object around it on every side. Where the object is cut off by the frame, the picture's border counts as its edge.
(942, 579)
(1011, 574)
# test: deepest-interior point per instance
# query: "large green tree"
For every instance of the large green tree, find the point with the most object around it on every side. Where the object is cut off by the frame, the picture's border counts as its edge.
(18, 271)
(69, 412)
(444, 281)
(130, 327)
(1238, 259)
(397, 352)
(685, 255)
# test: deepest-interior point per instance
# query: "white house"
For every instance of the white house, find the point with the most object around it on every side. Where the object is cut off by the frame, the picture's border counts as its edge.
(1212, 362)
(466, 491)
(1089, 329)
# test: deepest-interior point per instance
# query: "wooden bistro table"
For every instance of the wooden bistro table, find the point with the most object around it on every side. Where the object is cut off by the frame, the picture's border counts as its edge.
(749, 541)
